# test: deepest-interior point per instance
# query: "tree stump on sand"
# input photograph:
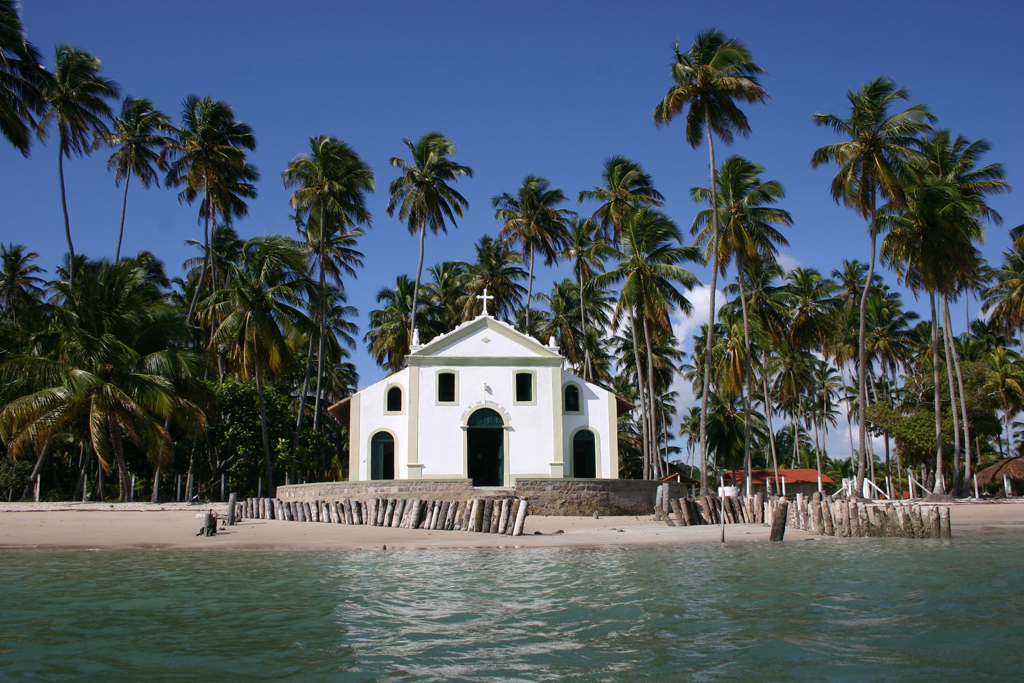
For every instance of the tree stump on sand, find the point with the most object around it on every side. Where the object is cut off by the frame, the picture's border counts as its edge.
(779, 518)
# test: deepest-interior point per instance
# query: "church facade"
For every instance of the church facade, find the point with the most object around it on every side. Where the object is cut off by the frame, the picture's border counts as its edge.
(483, 402)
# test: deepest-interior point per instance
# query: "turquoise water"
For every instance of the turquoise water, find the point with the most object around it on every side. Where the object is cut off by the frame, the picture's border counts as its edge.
(865, 610)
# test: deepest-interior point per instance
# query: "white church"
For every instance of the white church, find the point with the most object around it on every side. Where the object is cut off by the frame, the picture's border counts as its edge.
(483, 402)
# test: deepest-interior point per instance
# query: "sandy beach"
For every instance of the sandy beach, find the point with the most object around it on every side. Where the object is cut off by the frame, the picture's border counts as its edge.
(174, 526)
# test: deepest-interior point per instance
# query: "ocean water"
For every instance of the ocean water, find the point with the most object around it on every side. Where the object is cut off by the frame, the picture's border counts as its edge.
(859, 610)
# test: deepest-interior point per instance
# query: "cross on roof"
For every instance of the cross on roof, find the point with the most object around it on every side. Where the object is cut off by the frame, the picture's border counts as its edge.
(484, 297)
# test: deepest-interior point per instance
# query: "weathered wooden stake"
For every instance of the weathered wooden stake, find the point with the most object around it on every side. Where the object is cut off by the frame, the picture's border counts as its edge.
(231, 508)
(520, 518)
(779, 518)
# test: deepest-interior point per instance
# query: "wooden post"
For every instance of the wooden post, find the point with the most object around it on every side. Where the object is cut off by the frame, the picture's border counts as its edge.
(684, 511)
(826, 518)
(678, 510)
(488, 513)
(778, 531)
(503, 515)
(520, 518)
(865, 524)
(476, 524)
(817, 523)
(1007, 486)
(414, 514)
(934, 523)
(759, 508)
(705, 510)
(945, 530)
(231, 508)
(854, 519)
(308, 510)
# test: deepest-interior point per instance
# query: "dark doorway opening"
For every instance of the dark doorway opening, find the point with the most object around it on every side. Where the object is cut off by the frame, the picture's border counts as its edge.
(584, 455)
(485, 445)
(382, 456)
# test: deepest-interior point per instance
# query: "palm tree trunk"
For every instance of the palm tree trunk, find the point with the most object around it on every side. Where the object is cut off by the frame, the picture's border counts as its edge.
(64, 206)
(124, 207)
(320, 347)
(749, 388)
(947, 343)
(862, 358)
(529, 291)
(36, 469)
(643, 397)
(302, 406)
(123, 479)
(711, 310)
(263, 422)
(939, 488)
(655, 456)
(963, 400)
(817, 456)
(416, 285)
(771, 430)
(583, 325)
(207, 257)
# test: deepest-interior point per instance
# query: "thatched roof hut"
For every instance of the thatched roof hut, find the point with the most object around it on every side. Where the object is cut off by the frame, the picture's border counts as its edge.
(1011, 467)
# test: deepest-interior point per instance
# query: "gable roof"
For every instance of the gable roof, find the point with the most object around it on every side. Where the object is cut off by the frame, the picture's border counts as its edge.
(486, 340)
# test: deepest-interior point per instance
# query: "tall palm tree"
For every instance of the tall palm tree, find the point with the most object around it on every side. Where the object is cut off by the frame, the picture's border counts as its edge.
(585, 250)
(871, 164)
(259, 307)
(746, 223)
(1005, 298)
(138, 135)
(206, 157)
(531, 220)
(445, 291)
(714, 74)
(647, 263)
(76, 105)
(19, 286)
(113, 377)
(625, 186)
(423, 197)
(330, 203)
(23, 80)
(498, 271)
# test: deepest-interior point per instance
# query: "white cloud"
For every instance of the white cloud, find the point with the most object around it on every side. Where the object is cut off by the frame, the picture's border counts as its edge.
(787, 261)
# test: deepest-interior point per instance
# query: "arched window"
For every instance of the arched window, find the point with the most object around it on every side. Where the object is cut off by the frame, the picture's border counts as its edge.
(382, 456)
(394, 401)
(584, 455)
(572, 398)
(446, 387)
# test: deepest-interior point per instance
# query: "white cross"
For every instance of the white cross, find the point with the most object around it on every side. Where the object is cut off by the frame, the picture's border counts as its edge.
(484, 297)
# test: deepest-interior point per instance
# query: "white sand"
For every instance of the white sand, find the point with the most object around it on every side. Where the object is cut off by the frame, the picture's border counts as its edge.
(170, 526)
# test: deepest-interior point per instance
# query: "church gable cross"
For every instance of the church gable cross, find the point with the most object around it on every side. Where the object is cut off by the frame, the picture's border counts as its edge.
(485, 298)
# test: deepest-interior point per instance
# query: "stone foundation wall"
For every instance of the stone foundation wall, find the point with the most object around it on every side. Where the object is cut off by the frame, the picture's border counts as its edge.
(568, 497)
(584, 497)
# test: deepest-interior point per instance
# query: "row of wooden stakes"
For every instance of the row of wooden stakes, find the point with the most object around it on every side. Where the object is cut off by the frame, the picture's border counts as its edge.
(818, 515)
(485, 515)
(850, 518)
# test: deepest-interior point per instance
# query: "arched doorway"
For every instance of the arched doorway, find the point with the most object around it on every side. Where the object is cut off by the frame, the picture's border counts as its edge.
(382, 456)
(485, 446)
(584, 455)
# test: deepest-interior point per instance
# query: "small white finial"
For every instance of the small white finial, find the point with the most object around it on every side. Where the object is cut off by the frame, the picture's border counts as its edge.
(551, 341)
(416, 337)
(484, 297)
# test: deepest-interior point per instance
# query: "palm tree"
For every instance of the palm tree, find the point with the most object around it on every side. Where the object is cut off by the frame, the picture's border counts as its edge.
(19, 286)
(330, 203)
(625, 186)
(390, 336)
(532, 222)
(113, 376)
(871, 164)
(710, 78)
(76, 105)
(23, 80)
(445, 291)
(1005, 298)
(424, 198)
(746, 231)
(259, 307)
(647, 262)
(1006, 380)
(138, 136)
(498, 271)
(206, 157)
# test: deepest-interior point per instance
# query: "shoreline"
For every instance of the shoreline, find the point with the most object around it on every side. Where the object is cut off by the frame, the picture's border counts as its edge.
(173, 526)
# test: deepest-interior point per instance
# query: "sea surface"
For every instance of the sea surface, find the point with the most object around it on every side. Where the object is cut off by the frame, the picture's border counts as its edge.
(855, 610)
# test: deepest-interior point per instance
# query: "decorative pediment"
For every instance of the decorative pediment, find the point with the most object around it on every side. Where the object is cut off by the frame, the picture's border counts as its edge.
(484, 340)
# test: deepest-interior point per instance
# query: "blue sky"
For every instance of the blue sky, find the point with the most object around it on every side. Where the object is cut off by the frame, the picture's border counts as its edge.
(546, 88)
